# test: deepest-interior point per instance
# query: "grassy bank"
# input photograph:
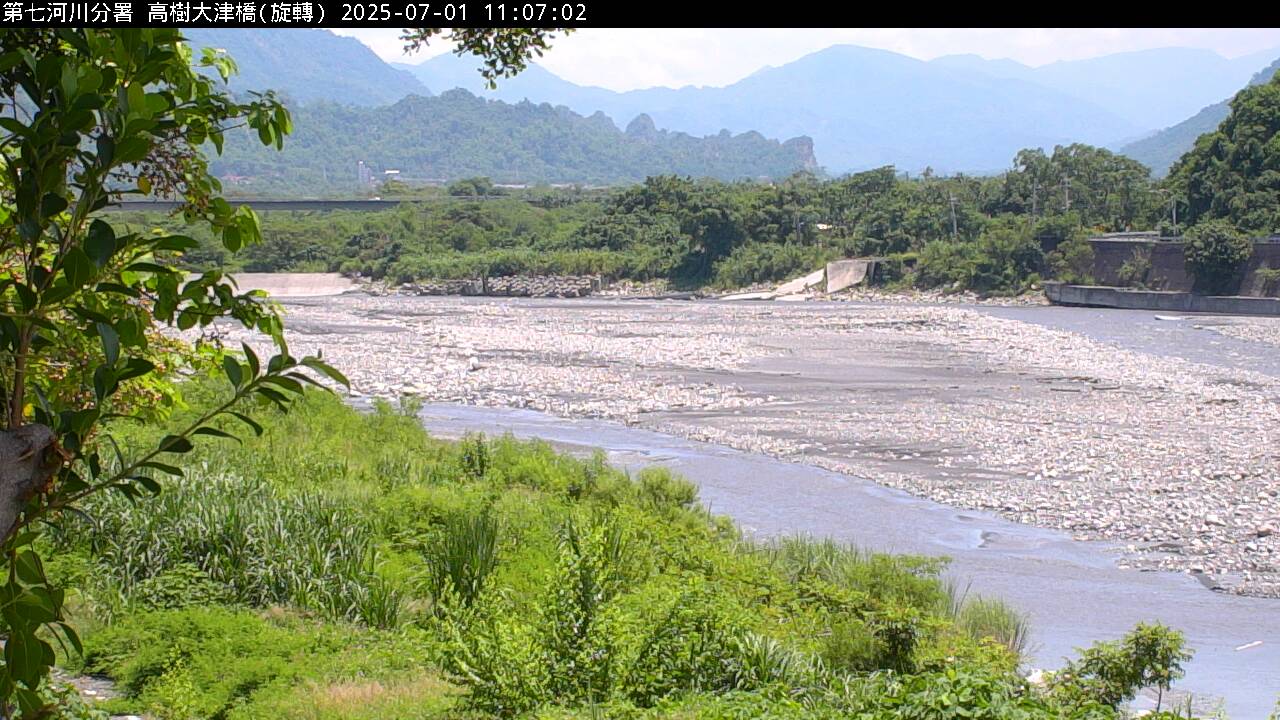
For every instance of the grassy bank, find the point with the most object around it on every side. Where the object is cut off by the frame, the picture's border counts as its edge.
(346, 565)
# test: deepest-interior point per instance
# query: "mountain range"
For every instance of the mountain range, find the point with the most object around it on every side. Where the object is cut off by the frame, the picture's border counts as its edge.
(862, 107)
(866, 107)
(457, 135)
(1162, 149)
(306, 65)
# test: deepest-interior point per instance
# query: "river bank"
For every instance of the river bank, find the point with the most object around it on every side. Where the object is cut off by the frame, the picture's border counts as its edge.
(1072, 592)
(1172, 461)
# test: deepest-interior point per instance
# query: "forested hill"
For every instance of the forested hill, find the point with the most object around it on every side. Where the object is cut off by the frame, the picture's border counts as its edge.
(457, 135)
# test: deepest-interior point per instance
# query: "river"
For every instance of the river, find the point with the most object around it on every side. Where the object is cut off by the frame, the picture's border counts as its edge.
(1073, 591)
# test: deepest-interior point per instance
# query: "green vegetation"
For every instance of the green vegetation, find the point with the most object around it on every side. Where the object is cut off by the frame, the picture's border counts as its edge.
(346, 565)
(1161, 150)
(698, 233)
(1233, 173)
(1215, 253)
(89, 116)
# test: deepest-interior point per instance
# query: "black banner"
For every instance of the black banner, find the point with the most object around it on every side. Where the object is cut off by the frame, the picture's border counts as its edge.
(306, 13)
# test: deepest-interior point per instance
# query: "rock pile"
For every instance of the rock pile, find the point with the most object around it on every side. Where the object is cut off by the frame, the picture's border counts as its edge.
(548, 286)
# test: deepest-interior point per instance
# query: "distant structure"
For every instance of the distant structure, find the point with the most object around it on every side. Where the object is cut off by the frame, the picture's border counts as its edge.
(364, 176)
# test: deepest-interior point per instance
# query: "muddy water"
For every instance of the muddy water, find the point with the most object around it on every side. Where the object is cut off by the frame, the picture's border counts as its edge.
(1073, 591)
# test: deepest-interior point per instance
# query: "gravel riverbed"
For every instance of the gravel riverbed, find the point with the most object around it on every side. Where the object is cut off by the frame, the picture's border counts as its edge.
(1176, 463)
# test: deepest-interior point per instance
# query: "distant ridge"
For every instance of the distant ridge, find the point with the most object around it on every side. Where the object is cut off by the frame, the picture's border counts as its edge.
(308, 65)
(457, 135)
(1162, 149)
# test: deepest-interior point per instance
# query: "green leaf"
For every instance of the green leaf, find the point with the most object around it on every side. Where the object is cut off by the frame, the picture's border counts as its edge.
(257, 429)
(100, 245)
(135, 367)
(29, 702)
(252, 359)
(72, 637)
(28, 568)
(162, 467)
(215, 432)
(327, 370)
(24, 656)
(148, 483)
(26, 296)
(52, 204)
(131, 150)
(104, 382)
(284, 383)
(149, 267)
(78, 267)
(175, 444)
(175, 243)
(232, 368)
(110, 342)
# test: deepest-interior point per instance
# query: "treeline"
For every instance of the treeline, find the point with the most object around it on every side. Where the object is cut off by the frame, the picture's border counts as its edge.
(985, 233)
(996, 234)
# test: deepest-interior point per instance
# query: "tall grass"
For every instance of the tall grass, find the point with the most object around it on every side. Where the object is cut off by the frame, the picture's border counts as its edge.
(263, 546)
(983, 618)
(885, 579)
(462, 557)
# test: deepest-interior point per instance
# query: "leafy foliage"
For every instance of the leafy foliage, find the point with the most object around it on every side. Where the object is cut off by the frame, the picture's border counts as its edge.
(96, 114)
(601, 591)
(1110, 673)
(1215, 251)
(1233, 173)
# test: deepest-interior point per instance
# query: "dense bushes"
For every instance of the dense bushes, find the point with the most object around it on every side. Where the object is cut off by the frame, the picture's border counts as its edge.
(973, 233)
(1004, 260)
(347, 566)
(1215, 251)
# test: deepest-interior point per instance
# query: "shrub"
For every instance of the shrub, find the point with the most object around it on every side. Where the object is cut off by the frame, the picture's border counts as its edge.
(993, 619)
(1135, 271)
(946, 264)
(767, 262)
(1072, 262)
(1215, 251)
(1111, 673)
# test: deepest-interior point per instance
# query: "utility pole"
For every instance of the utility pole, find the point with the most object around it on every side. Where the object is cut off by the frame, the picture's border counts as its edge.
(1174, 199)
(1066, 188)
(954, 232)
(1035, 196)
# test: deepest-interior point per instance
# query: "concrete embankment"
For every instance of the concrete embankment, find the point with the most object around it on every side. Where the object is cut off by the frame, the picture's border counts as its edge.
(282, 285)
(1130, 299)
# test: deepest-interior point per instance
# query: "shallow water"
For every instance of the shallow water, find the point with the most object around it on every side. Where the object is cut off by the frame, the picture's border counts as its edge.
(1072, 591)
(1186, 336)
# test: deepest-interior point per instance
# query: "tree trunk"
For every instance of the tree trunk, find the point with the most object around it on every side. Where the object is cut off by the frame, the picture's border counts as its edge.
(29, 456)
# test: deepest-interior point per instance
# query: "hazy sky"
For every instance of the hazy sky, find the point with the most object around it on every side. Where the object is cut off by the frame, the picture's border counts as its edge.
(625, 59)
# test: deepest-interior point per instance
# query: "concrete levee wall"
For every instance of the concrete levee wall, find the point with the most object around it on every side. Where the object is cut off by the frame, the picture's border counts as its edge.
(1130, 299)
(1168, 268)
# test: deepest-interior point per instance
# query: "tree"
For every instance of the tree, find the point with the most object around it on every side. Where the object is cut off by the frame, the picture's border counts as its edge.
(1233, 173)
(1214, 251)
(87, 116)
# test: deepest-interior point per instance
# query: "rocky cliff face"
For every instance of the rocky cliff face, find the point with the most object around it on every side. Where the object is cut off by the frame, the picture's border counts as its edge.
(802, 149)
